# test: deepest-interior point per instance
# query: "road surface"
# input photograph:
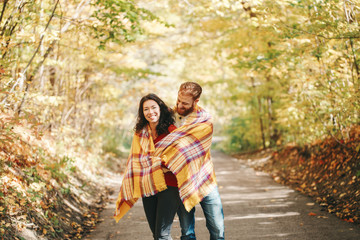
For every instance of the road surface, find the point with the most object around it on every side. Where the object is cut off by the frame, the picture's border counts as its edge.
(255, 207)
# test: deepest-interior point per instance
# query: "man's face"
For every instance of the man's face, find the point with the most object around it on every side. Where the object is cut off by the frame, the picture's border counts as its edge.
(185, 104)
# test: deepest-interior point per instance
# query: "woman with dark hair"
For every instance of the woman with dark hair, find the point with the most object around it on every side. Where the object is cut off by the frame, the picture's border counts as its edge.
(154, 122)
(159, 123)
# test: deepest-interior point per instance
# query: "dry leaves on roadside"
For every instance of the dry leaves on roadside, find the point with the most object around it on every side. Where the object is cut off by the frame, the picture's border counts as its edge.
(327, 170)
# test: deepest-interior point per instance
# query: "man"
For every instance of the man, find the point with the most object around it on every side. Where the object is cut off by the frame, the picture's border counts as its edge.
(186, 153)
(188, 96)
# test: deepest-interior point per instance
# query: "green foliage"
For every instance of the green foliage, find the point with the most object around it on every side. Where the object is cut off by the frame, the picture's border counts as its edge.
(240, 138)
(59, 168)
(35, 195)
(32, 175)
(116, 142)
(119, 21)
(304, 82)
(6, 129)
(273, 71)
(65, 191)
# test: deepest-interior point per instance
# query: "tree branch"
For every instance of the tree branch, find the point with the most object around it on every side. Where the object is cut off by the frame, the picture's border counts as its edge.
(32, 58)
(3, 10)
(79, 9)
(320, 35)
(322, 122)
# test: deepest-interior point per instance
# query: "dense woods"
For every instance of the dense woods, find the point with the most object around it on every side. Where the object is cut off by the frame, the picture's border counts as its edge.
(278, 72)
(73, 71)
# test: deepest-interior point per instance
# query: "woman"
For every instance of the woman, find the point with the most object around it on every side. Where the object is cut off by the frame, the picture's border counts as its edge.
(156, 120)
(185, 151)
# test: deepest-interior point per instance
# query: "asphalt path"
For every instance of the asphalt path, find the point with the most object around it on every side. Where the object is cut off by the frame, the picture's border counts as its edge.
(255, 207)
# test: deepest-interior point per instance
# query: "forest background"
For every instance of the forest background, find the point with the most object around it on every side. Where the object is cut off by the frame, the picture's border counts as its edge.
(274, 74)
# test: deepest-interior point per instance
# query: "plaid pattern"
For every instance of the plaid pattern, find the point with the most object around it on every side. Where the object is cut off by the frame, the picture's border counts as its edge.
(185, 152)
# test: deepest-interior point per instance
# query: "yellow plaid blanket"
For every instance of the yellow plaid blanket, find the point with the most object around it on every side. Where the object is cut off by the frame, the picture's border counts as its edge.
(185, 152)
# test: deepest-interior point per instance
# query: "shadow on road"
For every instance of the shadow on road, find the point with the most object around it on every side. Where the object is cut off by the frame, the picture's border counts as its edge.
(255, 207)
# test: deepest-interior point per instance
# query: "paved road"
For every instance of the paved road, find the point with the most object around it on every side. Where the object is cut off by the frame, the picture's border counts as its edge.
(255, 207)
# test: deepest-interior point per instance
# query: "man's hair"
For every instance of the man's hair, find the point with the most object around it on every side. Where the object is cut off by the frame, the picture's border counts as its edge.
(166, 115)
(191, 88)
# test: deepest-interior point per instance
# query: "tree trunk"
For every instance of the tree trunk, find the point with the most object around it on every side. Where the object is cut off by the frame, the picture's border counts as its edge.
(260, 115)
(261, 124)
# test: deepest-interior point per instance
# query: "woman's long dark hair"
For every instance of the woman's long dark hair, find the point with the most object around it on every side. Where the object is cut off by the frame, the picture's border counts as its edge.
(166, 115)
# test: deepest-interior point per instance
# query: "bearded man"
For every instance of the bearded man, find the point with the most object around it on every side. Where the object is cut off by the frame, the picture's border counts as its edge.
(186, 106)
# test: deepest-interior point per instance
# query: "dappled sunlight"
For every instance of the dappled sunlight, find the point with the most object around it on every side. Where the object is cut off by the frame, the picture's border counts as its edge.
(235, 188)
(262, 215)
(70, 205)
(275, 198)
(274, 205)
(281, 235)
(265, 223)
(256, 216)
(219, 173)
(234, 202)
(254, 194)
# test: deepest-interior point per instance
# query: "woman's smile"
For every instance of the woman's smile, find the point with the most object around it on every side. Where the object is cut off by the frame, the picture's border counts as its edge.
(151, 111)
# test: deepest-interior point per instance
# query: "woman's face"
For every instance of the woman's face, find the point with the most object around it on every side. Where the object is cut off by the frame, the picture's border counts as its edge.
(151, 111)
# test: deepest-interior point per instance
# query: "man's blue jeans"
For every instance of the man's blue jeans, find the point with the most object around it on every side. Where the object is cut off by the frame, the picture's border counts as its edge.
(213, 211)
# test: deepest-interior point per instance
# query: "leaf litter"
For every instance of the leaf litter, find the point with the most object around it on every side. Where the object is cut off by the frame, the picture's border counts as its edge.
(326, 170)
(43, 195)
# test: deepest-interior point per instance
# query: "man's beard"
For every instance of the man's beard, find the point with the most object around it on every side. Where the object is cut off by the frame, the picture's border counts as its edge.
(185, 112)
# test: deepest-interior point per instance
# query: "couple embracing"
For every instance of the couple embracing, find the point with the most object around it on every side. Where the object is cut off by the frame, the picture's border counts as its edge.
(170, 167)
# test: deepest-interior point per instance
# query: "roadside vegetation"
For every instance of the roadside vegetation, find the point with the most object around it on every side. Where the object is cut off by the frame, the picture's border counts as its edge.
(325, 170)
(48, 190)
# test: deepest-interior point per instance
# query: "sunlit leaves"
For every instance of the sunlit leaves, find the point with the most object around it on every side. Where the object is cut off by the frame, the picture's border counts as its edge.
(300, 54)
(119, 21)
